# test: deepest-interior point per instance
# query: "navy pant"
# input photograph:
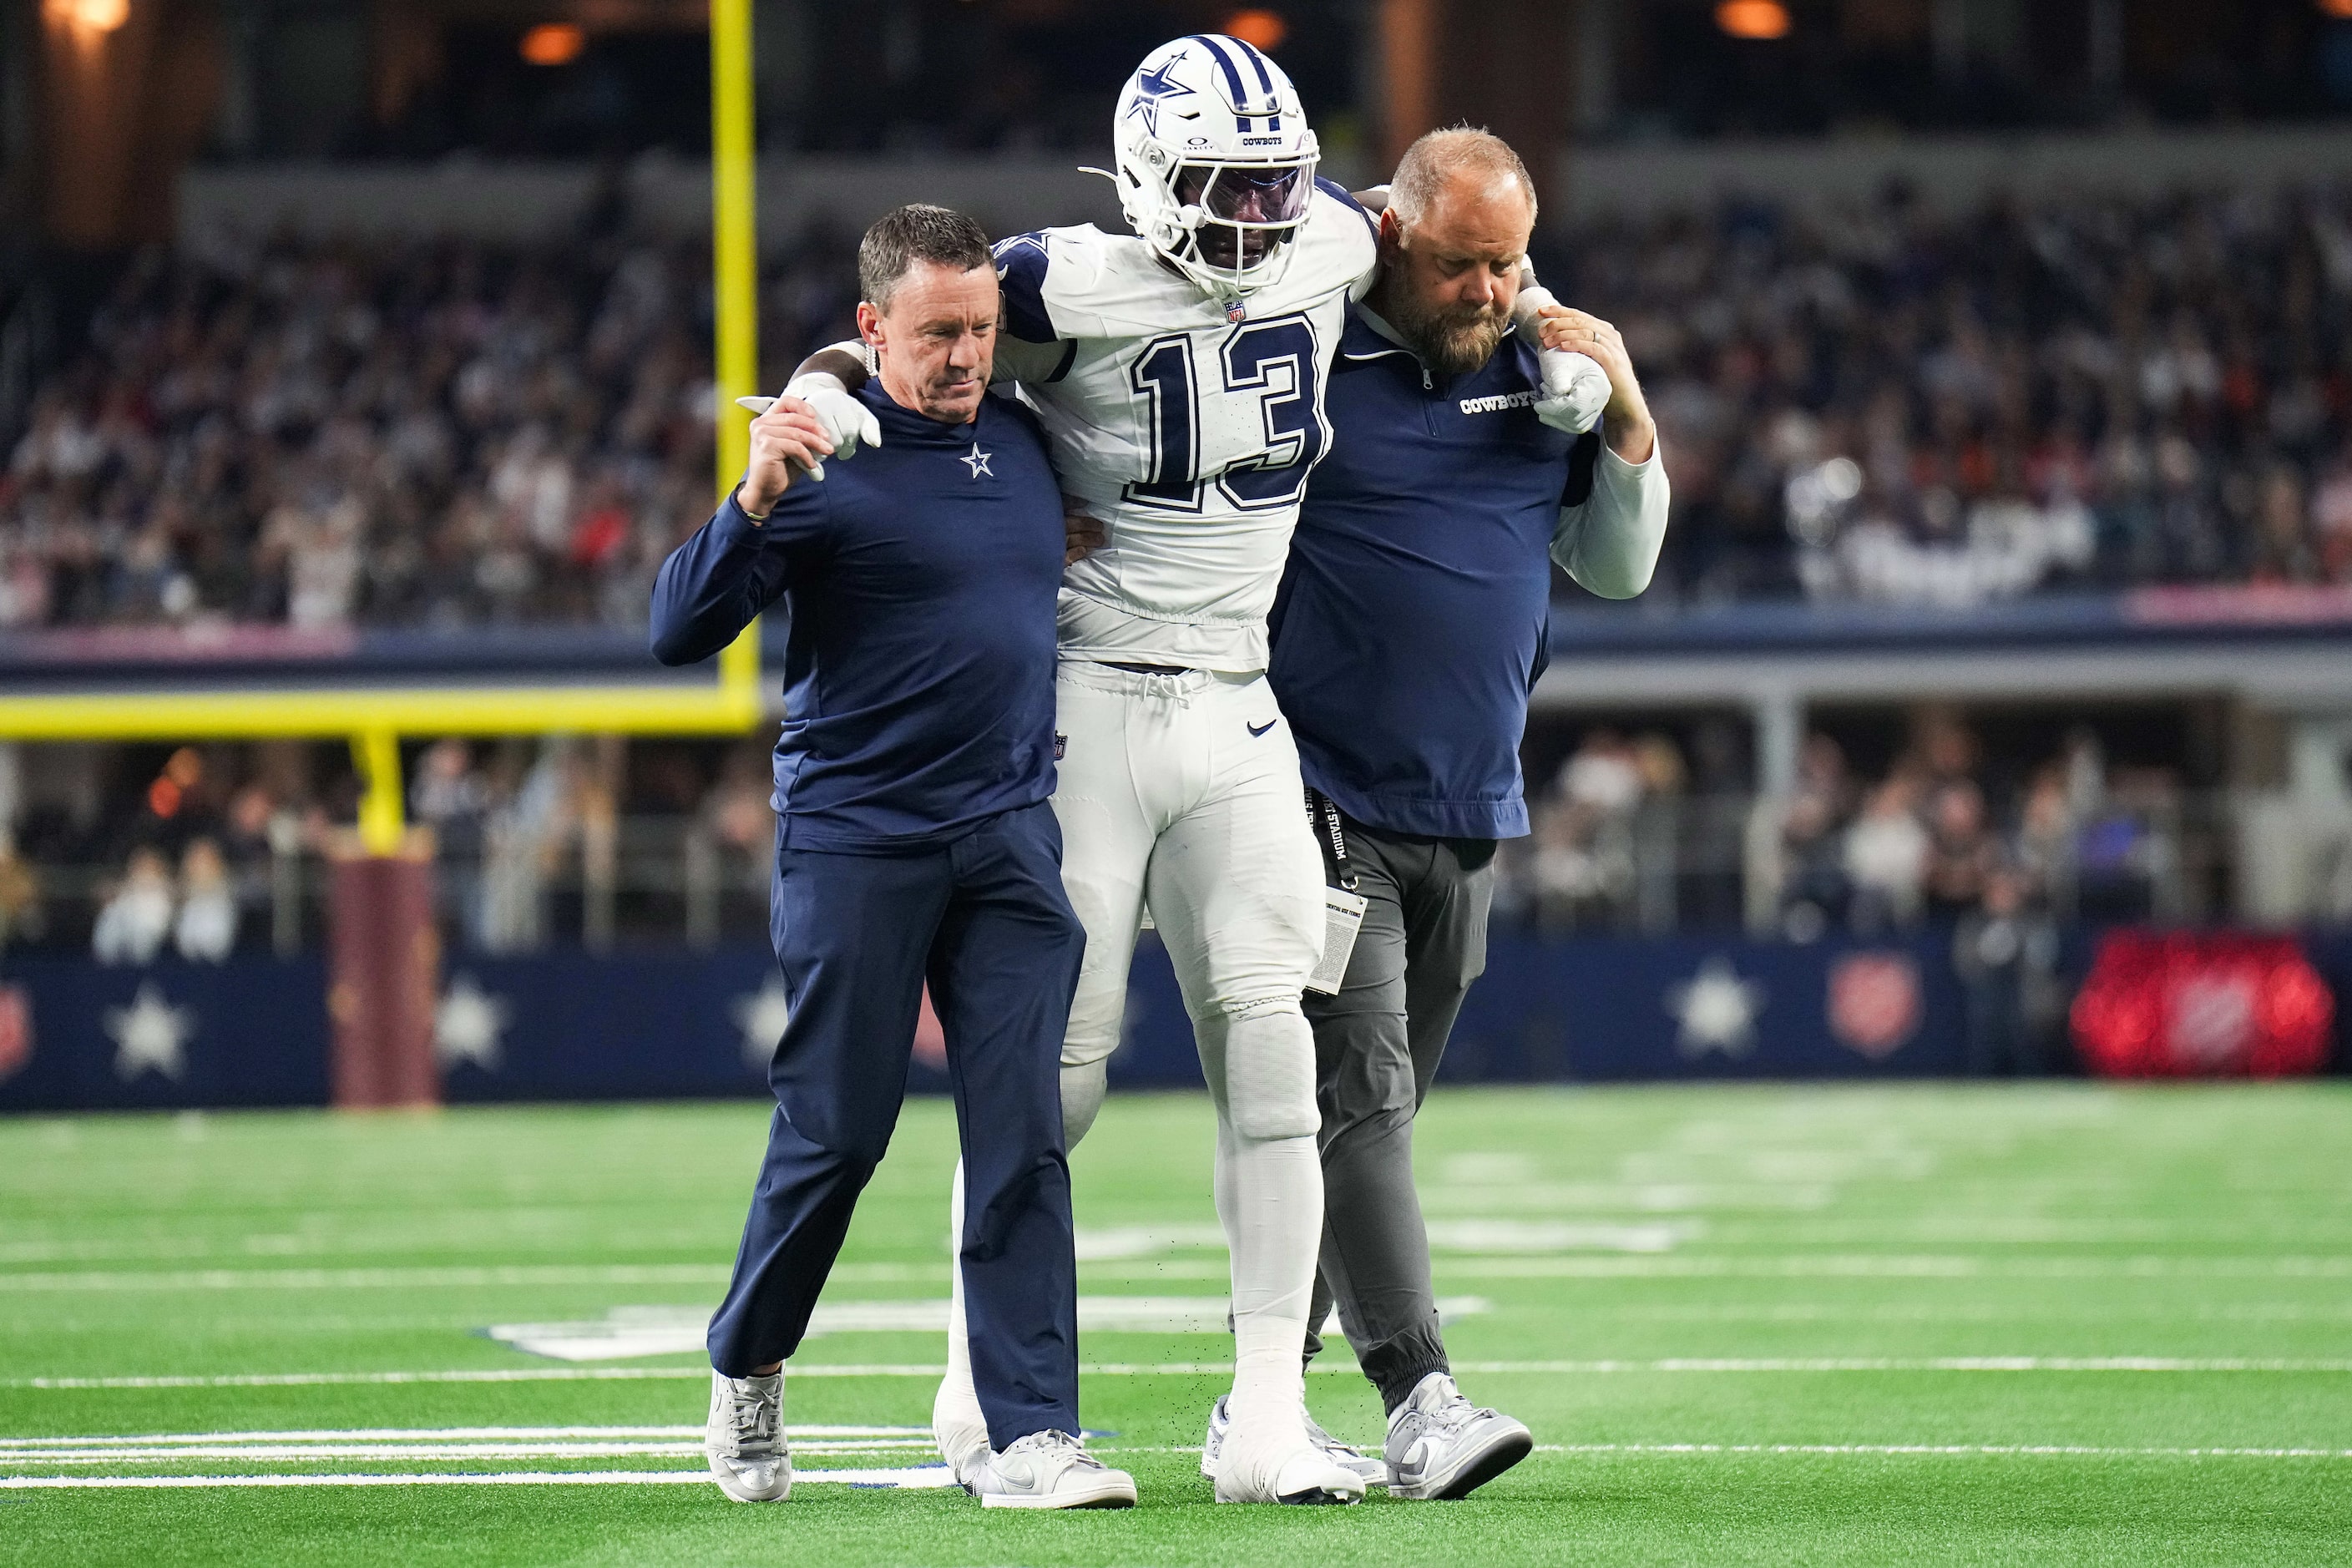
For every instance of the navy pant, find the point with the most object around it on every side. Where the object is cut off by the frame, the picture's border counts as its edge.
(985, 921)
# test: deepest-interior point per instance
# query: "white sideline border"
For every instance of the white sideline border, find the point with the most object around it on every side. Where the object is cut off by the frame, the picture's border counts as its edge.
(2021, 1363)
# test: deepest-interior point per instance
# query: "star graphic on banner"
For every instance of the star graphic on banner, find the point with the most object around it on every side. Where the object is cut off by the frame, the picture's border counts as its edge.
(1153, 88)
(977, 461)
(466, 1024)
(1716, 1009)
(762, 1016)
(150, 1035)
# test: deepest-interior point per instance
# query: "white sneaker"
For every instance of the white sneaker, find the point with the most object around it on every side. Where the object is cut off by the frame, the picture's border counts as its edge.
(1440, 1445)
(1050, 1470)
(1374, 1472)
(744, 1437)
(1270, 1458)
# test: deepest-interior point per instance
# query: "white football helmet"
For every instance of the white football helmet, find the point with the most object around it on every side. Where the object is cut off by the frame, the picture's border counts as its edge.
(1216, 163)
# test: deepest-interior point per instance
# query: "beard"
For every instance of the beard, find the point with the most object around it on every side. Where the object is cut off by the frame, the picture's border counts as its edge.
(1453, 339)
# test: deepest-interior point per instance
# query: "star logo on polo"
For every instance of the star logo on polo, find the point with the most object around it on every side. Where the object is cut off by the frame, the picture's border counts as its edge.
(977, 461)
(1154, 88)
(151, 1035)
(466, 1024)
(1716, 1010)
(762, 1016)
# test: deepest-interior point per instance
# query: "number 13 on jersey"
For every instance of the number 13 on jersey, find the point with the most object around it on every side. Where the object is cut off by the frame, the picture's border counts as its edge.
(1253, 432)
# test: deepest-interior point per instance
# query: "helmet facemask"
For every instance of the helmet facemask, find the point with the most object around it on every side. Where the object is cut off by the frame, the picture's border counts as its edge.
(1237, 220)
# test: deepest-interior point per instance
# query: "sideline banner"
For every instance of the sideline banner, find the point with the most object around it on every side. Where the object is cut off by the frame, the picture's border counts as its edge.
(669, 1023)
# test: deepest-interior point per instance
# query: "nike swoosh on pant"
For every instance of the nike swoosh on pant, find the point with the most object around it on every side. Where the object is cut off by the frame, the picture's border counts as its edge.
(1257, 729)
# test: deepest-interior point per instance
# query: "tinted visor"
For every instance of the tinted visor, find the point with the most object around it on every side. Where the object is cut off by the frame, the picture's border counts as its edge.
(1246, 193)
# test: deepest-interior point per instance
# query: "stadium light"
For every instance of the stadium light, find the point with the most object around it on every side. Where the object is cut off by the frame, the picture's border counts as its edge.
(553, 44)
(1753, 18)
(2339, 9)
(87, 17)
(1259, 29)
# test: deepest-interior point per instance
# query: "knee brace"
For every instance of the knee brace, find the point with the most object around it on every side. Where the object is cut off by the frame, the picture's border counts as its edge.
(1260, 1058)
(1083, 1087)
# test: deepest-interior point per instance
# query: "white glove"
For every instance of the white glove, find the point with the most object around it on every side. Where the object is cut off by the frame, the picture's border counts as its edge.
(1575, 390)
(846, 421)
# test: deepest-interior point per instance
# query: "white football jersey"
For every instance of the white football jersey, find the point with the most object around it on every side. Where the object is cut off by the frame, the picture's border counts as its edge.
(1189, 428)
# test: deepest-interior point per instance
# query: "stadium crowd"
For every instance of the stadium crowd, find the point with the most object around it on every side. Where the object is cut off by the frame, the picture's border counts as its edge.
(1876, 402)
(1873, 402)
(441, 435)
(1887, 403)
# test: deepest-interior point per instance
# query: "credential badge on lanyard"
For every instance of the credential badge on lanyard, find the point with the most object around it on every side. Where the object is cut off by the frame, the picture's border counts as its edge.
(1343, 907)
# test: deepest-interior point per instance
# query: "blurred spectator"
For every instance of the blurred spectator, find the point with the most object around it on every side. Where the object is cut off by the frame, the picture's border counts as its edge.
(21, 916)
(2006, 954)
(1887, 857)
(1959, 851)
(1815, 888)
(205, 931)
(134, 922)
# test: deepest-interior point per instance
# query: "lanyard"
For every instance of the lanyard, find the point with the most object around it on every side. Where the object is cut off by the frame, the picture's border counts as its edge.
(1325, 815)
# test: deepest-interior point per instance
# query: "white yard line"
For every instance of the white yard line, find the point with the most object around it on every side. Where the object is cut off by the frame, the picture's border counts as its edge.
(1208, 1369)
(1945, 1450)
(925, 1477)
(291, 1453)
(1898, 1266)
(1680, 1265)
(408, 1278)
(928, 1477)
(447, 1435)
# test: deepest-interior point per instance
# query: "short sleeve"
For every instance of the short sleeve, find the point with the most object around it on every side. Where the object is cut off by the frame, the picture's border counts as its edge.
(1021, 264)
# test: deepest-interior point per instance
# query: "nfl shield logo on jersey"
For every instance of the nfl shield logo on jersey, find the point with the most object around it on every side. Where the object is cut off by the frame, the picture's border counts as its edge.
(1235, 309)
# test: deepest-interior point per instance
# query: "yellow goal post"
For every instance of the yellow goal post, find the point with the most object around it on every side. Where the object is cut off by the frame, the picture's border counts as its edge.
(374, 718)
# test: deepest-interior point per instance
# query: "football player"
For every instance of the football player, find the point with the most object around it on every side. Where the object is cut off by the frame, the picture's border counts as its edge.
(1179, 374)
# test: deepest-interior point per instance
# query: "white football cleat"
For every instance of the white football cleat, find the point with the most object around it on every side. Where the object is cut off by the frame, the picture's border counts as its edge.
(1270, 1458)
(1050, 1470)
(1443, 1447)
(1373, 1472)
(744, 1437)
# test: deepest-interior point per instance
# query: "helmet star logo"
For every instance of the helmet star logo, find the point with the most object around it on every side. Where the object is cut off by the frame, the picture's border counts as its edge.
(1153, 88)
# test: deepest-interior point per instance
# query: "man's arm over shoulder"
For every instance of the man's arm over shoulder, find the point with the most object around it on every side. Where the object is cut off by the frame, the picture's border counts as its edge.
(1364, 251)
(1612, 519)
(735, 566)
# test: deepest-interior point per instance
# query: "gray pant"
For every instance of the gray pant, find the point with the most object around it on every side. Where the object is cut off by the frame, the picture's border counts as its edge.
(1377, 1046)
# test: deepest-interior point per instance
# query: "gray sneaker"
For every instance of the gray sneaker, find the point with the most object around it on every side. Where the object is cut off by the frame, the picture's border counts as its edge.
(1051, 1470)
(744, 1438)
(1440, 1445)
(1375, 1472)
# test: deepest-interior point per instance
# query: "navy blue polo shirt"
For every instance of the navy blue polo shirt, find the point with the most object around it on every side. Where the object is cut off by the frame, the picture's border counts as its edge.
(1410, 627)
(921, 578)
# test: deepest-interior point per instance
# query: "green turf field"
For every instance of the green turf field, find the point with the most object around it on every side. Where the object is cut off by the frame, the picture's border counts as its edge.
(1773, 1325)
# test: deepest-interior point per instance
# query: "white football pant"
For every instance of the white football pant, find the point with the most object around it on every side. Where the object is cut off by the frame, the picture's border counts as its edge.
(1183, 791)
